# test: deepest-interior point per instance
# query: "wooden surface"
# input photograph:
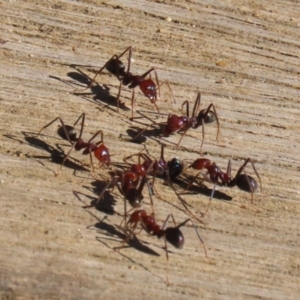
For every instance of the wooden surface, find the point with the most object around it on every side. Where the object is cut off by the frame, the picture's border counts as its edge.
(242, 55)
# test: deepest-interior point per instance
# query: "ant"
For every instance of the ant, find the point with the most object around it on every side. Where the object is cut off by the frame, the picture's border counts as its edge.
(171, 169)
(173, 235)
(130, 184)
(116, 67)
(101, 152)
(160, 167)
(217, 177)
(182, 124)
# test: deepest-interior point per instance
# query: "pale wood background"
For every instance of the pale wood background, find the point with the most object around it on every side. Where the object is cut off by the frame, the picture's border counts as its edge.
(242, 55)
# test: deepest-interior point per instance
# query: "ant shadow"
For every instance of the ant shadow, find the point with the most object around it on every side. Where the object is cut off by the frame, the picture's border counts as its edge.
(57, 154)
(101, 93)
(138, 246)
(153, 130)
(114, 232)
(134, 137)
(200, 188)
(106, 203)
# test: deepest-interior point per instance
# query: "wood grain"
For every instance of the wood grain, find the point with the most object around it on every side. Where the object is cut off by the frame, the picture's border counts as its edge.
(242, 55)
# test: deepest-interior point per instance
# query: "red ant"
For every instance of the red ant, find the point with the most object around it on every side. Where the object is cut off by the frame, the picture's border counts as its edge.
(182, 124)
(173, 235)
(170, 169)
(101, 152)
(217, 177)
(130, 184)
(116, 67)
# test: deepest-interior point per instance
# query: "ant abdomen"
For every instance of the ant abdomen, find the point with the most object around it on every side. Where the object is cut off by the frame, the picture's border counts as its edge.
(70, 131)
(210, 118)
(134, 197)
(116, 67)
(175, 167)
(246, 183)
(175, 237)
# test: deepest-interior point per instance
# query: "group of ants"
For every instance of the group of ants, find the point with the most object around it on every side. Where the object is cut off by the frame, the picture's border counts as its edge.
(131, 181)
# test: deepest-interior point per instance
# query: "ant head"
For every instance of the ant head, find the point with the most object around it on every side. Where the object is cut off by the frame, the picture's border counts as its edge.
(134, 197)
(175, 237)
(102, 154)
(175, 167)
(148, 88)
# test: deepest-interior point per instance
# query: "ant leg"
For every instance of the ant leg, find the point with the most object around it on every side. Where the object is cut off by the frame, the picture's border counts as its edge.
(166, 249)
(196, 105)
(157, 82)
(125, 201)
(199, 237)
(204, 114)
(156, 108)
(150, 194)
(63, 126)
(183, 202)
(182, 135)
(129, 57)
(118, 96)
(203, 135)
(228, 172)
(210, 198)
(132, 103)
(82, 116)
(98, 72)
(148, 72)
(193, 180)
(139, 155)
(253, 166)
(166, 221)
(212, 193)
(95, 135)
(186, 103)
(125, 209)
(249, 184)
(167, 269)
(167, 83)
(113, 181)
(148, 126)
(65, 158)
(217, 120)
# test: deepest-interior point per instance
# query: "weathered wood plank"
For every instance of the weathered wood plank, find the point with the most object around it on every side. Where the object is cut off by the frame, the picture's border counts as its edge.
(242, 56)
